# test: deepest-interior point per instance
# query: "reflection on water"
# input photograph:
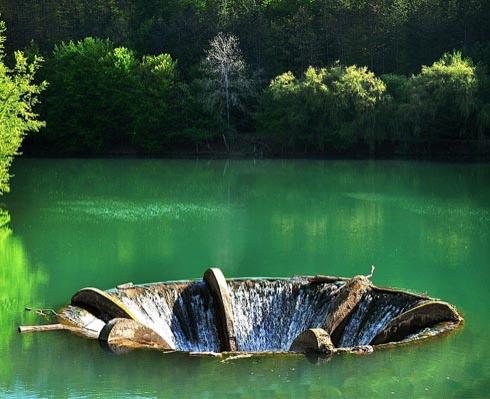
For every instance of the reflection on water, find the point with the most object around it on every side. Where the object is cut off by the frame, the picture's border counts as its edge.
(82, 223)
(428, 207)
(18, 288)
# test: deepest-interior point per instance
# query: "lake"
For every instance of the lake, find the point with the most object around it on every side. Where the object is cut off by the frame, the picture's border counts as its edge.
(76, 223)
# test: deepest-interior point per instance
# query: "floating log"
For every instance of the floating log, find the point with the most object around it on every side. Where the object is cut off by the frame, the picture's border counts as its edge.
(130, 333)
(47, 327)
(344, 304)
(313, 340)
(236, 357)
(425, 315)
(101, 304)
(89, 325)
(216, 282)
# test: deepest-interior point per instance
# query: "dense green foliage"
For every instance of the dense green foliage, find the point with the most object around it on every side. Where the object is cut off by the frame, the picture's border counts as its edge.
(18, 96)
(103, 97)
(365, 77)
(275, 36)
(329, 106)
(344, 107)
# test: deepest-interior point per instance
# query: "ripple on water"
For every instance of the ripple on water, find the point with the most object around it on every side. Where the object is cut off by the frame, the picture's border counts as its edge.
(133, 211)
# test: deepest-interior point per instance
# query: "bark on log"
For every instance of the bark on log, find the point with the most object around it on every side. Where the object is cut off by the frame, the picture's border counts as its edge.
(344, 304)
(313, 340)
(101, 304)
(224, 311)
(47, 327)
(426, 314)
(89, 325)
(130, 333)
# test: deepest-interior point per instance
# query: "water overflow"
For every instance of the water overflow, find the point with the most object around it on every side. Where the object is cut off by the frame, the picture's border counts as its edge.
(259, 315)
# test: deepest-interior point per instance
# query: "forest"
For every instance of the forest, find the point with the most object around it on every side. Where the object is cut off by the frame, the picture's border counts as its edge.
(260, 78)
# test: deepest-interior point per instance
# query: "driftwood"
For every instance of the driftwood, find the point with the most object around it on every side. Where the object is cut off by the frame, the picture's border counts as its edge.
(131, 333)
(344, 304)
(49, 327)
(236, 357)
(101, 304)
(313, 340)
(84, 320)
(424, 315)
(226, 326)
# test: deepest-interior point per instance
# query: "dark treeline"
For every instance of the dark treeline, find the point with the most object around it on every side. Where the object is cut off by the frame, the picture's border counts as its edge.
(322, 77)
(387, 36)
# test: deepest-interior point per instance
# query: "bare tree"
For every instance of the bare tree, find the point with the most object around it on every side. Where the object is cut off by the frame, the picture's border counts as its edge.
(226, 82)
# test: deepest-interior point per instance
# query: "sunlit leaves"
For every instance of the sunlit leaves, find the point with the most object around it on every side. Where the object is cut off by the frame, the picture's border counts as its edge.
(18, 96)
(103, 97)
(326, 105)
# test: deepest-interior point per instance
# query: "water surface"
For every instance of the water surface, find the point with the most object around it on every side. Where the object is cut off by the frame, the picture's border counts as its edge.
(76, 223)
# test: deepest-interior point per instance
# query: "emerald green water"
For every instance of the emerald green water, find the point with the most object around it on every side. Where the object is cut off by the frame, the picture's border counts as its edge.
(76, 223)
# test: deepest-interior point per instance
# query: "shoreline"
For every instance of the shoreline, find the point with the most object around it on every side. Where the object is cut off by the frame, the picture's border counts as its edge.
(237, 155)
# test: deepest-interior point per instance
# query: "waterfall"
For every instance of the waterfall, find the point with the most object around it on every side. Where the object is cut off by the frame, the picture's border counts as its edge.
(270, 314)
(373, 313)
(181, 313)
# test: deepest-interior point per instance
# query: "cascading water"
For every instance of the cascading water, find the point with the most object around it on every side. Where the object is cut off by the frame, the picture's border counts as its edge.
(257, 315)
(374, 312)
(182, 314)
(270, 314)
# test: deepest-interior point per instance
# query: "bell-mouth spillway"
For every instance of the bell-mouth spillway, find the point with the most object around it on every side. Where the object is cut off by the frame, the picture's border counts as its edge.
(212, 315)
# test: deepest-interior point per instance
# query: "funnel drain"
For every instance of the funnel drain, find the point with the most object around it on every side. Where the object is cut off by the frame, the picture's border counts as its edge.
(298, 314)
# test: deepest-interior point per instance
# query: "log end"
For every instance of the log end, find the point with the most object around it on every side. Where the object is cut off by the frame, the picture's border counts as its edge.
(425, 315)
(313, 340)
(101, 304)
(120, 332)
(216, 282)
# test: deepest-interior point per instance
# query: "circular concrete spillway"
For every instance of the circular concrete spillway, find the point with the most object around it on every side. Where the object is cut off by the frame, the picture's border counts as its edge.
(297, 314)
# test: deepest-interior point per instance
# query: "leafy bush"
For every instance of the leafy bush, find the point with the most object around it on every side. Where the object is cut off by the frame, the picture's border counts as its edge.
(102, 98)
(328, 106)
(443, 97)
(18, 96)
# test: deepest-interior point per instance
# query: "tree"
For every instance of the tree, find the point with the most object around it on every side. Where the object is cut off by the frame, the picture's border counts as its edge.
(18, 96)
(226, 83)
(357, 91)
(443, 97)
(332, 105)
(87, 98)
(103, 98)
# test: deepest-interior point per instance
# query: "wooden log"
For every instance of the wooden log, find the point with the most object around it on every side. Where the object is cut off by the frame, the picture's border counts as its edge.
(344, 303)
(426, 314)
(236, 357)
(89, 325)
(313, 340)
(47, 327)
(101, 304)
(218, 287)
(130, 333)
